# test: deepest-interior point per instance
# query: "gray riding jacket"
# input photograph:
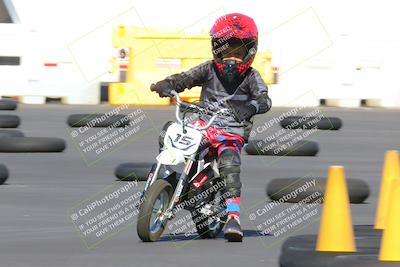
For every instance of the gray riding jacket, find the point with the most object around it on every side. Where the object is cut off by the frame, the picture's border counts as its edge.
(216, 94)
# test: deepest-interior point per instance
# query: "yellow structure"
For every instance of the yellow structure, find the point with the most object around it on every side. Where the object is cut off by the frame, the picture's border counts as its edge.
(336, 230)
(391, 170)
(390, 244)
(153, 55)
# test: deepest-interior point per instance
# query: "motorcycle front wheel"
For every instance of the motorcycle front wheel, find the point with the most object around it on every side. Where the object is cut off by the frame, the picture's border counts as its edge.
(155, 203)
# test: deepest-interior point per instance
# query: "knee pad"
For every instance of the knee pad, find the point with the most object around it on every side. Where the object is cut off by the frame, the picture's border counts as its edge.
(229, 169)
(228, 158)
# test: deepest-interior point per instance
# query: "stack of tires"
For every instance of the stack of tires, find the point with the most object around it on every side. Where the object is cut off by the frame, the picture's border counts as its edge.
(129, 171)
(299, 251)
(14, 141)
(133, 171)
(3, 174)
(267, 147)
(139, 171)
(278, 188)
(7, 121)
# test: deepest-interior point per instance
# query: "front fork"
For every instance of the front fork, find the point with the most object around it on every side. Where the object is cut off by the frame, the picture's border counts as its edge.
(168, 214)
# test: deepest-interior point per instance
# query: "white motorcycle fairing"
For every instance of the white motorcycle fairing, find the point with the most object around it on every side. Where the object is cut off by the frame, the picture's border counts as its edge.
(178, 144)
(170, 157)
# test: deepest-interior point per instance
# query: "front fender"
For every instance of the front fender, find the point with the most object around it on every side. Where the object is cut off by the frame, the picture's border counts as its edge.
(170, 157)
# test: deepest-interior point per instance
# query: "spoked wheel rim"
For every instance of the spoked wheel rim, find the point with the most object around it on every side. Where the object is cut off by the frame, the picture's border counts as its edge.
(160, 206)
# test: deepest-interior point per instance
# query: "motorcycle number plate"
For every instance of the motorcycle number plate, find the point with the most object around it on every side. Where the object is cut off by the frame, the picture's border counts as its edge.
(187, 142)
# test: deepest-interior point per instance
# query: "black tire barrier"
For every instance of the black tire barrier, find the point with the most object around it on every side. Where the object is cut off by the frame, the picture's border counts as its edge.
(6, 104)
(133, 171)
(162, 133)
(371, 260)
(31, 144)
(267, 148)
(300, 122)
(97, 120)
(9, 121)
(308, 242)
(288, 189)
(366, 230)
(3, 174)
(311, 258)
(11, 133)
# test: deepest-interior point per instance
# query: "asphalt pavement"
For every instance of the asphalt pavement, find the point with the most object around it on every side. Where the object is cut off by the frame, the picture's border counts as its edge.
(44, 189)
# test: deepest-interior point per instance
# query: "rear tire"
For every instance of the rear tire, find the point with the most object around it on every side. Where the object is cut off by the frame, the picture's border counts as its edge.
(159, 189)
(205, 227)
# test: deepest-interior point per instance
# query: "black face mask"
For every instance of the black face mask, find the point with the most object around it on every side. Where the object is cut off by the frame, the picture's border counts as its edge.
(230, 71)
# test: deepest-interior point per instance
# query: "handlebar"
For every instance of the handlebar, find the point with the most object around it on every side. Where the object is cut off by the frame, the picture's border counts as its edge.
(179, 103)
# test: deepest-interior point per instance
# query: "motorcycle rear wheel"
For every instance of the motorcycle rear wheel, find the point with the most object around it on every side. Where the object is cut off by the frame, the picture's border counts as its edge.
(208, 227)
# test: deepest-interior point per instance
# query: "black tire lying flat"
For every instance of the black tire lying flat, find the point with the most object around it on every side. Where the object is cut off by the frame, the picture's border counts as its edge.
(299, 122)
(278, 188)
(6, 104)
(309, 242)
(371, 260)
(311, 258)
(31, 144)
(11, 133)
(3, 174)
(9, 121)
(162, 133)
(80, 120)
(265, 148)
(366, 230)
(133, 171)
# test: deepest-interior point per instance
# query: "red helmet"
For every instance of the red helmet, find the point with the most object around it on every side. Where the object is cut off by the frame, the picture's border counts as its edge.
(232, 32)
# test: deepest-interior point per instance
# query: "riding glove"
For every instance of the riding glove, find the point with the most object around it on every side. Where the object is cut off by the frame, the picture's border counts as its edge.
(163, 88)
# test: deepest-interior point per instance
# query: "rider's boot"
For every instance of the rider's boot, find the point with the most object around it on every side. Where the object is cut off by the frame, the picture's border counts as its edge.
(233, 231)
(229, 168)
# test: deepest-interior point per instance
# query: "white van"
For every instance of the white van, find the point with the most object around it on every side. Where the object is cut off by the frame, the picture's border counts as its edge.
(34, 66)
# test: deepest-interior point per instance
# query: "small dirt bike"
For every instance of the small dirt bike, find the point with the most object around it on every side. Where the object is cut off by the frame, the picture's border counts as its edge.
(196, 187)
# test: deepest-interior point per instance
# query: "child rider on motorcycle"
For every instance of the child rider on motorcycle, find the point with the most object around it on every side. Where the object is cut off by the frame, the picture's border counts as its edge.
(227, 81)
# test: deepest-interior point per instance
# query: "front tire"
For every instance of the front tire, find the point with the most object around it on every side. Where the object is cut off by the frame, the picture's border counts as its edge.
(155, 202)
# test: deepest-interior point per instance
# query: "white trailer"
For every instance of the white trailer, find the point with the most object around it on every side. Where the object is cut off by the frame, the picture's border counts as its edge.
(35, 65)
